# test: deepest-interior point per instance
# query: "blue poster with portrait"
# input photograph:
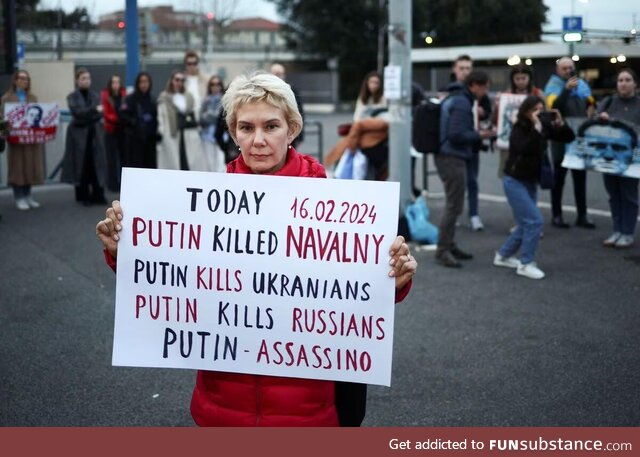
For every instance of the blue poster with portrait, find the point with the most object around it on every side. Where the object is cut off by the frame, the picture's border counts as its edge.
(605, 146)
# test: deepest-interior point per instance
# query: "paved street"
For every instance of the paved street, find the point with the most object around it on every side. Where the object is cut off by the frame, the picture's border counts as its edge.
(475, 347)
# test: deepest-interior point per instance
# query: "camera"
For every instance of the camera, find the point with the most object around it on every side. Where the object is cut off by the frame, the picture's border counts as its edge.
(572, 74)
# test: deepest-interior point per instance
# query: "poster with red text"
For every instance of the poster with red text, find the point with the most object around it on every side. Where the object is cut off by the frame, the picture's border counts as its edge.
(256, 274)
(32, 123)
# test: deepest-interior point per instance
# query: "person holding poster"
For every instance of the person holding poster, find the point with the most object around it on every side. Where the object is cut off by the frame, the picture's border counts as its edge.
(263, 120)
(85, 163)
(624, 105)
(527, 148)
(24, 161)
(506, 107)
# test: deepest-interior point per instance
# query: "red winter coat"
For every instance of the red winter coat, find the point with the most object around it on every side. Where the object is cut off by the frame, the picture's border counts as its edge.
(237, 400)
(109, 111)
(231, 399)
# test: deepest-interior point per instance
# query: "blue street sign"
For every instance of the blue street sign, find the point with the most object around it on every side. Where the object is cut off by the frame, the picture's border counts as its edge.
(20, 52)
(571, 23)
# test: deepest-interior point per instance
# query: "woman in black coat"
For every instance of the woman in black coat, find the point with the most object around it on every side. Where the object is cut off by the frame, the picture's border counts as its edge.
(527, 151)
(139, 119)
(85, 162)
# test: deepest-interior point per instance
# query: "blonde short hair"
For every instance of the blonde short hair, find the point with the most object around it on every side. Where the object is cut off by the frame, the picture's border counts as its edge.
(261, 87)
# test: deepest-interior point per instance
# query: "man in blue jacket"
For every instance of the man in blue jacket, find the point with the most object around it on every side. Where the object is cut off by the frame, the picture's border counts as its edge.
(458, 137)
(572, 97)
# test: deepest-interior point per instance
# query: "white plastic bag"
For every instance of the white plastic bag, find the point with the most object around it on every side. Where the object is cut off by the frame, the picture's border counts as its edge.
(344, 168)
(360, 165)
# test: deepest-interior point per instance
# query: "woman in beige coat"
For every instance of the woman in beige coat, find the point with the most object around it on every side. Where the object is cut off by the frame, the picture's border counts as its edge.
(180, 148)
(25, 161)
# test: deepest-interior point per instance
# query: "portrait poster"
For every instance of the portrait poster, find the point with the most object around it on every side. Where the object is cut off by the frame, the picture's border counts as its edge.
(32, 123)
(256, 274)
(507, 111)
(605, 147)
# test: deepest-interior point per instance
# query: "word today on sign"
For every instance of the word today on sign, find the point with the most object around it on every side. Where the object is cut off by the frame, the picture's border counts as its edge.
(256, 274)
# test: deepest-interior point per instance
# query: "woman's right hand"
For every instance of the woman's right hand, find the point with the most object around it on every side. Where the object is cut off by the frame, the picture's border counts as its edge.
(108, 229)
(604, 116)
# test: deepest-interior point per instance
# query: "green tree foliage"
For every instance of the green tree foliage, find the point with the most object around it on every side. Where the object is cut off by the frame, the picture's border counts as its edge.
(347, 30)
(464, 22)
(30, 17)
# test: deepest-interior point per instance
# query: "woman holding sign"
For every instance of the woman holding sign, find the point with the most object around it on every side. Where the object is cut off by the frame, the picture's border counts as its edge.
(624, 105)
(263, 120)
(24, 160)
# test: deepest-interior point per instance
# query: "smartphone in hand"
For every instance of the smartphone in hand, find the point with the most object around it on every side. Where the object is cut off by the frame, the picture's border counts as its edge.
(547, 117)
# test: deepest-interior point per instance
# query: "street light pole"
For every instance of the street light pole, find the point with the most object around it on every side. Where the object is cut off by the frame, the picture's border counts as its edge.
(400, 108)
(131, 38)
(381, 27)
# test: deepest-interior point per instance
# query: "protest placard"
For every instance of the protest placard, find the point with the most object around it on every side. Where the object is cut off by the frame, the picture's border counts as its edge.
(256, 274)
(32, 123)
(507, 110)
(604, 146)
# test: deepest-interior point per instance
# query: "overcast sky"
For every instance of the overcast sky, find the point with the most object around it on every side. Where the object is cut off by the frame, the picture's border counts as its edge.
(596, 14)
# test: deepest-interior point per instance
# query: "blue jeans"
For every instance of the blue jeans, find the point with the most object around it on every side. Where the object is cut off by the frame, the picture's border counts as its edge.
(473, 165)
(623, 201)
(522, 198)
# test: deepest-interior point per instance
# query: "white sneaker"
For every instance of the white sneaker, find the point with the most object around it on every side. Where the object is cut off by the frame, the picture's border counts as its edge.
(508, 262)
(530, 270)
(22, 204)
(624, 241)
(476, 223)
(611, 241)
(32, 203)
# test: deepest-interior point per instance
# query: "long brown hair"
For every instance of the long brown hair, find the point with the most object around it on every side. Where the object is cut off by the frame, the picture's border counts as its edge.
(527, 106)
(109, 86)
(169, 86)
(14, 80)
(364, 88)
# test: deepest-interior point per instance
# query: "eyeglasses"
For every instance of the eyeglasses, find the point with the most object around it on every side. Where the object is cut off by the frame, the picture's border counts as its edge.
(215, 84)
(26, 78)
(178, 80)
(191, 63)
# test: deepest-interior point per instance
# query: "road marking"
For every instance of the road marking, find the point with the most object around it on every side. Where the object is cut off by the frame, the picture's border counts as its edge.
(503, 199)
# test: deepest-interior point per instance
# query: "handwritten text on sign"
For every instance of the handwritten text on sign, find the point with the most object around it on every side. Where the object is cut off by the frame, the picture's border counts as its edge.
(256, 274)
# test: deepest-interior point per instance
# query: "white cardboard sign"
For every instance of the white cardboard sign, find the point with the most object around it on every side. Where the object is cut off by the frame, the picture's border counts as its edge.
(256, 274)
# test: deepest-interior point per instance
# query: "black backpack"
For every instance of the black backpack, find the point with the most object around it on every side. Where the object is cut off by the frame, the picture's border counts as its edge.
(425, 132)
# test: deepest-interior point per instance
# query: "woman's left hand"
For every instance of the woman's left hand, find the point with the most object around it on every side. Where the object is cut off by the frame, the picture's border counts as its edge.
(403, 264)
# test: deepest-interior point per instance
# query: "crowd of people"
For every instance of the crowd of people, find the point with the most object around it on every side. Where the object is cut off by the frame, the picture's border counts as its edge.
(468, 122)
(192, 124)
(184, 128)
(524, 163)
